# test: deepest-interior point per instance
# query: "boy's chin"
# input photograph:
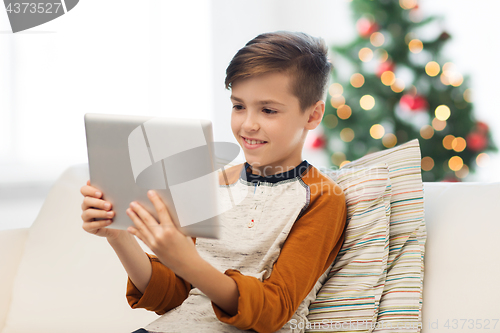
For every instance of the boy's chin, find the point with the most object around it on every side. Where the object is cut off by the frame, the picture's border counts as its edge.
(254, 162)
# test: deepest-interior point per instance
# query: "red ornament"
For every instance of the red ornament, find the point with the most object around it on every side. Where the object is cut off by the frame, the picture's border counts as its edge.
(482, 127)
(413, 103)
(318, 142)
(384, 67)
(366, 27)
(476, 141)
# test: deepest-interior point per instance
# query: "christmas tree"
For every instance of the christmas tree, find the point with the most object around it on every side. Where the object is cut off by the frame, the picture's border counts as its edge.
(392, 85)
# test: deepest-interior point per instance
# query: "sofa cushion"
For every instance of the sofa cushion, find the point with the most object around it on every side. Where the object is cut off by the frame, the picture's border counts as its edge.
(69, 280)
(356, 280)
(401, 300)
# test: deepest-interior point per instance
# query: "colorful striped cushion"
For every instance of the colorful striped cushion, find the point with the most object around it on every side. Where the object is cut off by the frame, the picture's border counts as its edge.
(401, 300)
(356, 280)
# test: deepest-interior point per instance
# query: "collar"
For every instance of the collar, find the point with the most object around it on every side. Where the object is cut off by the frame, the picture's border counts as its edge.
(299, 170)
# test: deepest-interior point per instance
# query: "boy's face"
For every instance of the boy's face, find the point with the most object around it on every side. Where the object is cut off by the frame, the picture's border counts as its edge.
(265, 110)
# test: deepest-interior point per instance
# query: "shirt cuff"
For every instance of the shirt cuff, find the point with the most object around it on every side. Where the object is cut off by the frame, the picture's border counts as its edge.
(157, 286)
(249, 301)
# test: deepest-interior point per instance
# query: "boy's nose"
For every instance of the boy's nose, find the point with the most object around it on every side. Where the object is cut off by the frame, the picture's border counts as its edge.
(250, 124)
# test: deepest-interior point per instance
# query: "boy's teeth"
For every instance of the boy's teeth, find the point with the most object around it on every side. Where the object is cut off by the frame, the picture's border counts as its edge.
(253, 142)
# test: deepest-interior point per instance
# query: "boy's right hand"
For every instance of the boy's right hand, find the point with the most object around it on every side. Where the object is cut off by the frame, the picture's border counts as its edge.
(94, 207)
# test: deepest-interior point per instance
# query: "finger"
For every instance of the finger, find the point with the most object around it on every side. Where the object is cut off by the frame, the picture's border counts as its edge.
(90, 214)
(89, 202)
(161, 208)
(145, 216)
(93, 227)
(140, 230)
(88, 182)
(90, 191)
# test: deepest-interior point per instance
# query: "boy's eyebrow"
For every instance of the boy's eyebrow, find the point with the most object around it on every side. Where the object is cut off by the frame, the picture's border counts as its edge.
(269, 101)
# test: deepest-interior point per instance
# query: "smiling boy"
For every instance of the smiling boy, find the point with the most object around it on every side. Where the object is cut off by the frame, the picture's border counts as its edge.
(278, 244)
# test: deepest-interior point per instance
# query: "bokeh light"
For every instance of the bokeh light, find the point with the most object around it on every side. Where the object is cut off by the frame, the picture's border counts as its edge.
(456, 79)
(365, 54)
(407, 4)
(455, 163)
(463, 172)
(344, 112)
(357, 80)
(432, 68)
(330, 121)
(415, 46)
(377, 39)
(442, 112)
(482, 160)
(388, 78)
(347, 134)
(468, 95)
(337, 101)
(377, 131)
(338, 157)
(398, 86)
(367, 102)
(451, 76)
(335, 89)
(426, 132)
(458, 144)
(438, 125)
(344, 163)
(427, 163)
(444, 79)
(448, 141)
(389, 140)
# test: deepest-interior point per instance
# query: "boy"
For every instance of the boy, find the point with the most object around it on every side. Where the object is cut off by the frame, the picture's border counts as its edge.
(278, 244)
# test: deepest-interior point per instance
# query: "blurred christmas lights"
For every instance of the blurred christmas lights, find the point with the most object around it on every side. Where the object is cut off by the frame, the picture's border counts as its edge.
(367, 102)
(357, 80)
(365, 54)
(377, 131)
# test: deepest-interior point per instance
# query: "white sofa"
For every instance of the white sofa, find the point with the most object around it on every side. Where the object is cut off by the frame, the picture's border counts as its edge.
(54, 277)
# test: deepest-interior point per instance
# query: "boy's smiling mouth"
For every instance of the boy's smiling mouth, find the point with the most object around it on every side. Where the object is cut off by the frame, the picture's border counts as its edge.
(251, 143)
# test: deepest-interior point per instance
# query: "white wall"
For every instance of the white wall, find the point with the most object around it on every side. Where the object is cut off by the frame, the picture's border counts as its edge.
(113, 56)
(116, 56)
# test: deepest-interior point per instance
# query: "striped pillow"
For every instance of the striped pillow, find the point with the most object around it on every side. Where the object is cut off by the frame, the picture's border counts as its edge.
(355, 282)
(401, 300)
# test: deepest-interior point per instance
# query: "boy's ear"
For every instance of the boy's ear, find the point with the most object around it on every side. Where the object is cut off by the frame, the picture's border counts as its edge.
(315, 115)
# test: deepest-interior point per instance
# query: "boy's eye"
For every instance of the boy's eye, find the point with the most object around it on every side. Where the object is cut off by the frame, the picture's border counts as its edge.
(237, 107)
(269, 111)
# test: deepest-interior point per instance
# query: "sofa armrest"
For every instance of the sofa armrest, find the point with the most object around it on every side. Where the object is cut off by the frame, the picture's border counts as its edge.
(11, 250)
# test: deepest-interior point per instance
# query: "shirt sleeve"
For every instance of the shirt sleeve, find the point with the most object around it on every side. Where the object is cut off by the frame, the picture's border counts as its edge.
(164, 292)
(310, 248)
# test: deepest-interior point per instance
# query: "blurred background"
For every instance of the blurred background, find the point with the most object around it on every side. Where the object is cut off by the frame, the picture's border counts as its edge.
(397, 63)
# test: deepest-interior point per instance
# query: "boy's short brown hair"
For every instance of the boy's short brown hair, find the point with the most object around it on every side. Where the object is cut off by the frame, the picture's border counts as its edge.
(295, 53)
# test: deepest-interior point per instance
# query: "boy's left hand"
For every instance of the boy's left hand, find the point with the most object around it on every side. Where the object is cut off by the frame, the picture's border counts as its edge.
(173, 249)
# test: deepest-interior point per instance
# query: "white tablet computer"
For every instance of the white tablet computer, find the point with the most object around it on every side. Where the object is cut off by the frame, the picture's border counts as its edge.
(129, 155)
